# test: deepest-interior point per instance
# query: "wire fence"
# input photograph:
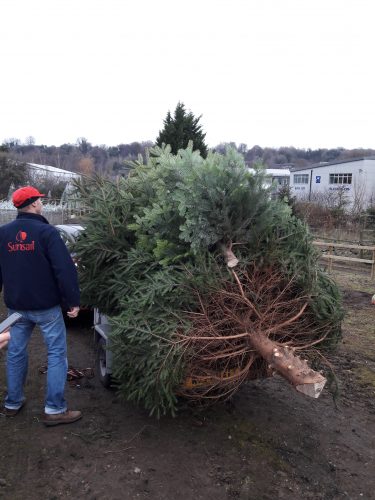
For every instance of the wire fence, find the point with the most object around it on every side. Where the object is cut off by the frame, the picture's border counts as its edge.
(55, 212)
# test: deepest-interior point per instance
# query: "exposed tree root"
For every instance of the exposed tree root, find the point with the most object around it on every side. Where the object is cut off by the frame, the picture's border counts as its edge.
(250, 328)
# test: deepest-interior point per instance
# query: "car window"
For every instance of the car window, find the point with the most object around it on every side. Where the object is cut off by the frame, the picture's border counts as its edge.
(67, 239)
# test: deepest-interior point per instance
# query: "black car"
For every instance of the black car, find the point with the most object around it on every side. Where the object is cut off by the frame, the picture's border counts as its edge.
(69, 234)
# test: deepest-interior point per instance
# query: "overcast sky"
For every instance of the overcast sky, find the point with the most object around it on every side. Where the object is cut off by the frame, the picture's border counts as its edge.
(268, 72)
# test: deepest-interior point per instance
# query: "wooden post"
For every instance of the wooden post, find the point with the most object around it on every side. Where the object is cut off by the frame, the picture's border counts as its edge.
(331, 257)
(330, 260)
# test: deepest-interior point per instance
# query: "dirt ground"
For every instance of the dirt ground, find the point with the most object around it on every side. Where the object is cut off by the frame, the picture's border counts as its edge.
(268, 443)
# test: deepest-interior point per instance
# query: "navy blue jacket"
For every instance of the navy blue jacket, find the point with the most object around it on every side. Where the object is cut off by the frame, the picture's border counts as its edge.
(36, 268)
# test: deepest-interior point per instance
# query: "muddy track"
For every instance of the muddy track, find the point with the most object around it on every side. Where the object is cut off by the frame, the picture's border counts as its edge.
(269, 442)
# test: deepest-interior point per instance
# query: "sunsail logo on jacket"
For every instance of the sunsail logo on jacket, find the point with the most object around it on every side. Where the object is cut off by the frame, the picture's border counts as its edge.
(21, 246)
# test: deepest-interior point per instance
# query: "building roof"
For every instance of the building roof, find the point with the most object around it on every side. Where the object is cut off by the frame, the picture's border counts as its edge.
(274, 172)
(278, 172)
(326, 164)
(53, 170)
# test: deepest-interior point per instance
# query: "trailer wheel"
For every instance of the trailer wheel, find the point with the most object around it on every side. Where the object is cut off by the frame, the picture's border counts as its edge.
(101, 363)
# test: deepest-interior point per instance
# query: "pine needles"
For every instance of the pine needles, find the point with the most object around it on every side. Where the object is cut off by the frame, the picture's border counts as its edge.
(183, 323)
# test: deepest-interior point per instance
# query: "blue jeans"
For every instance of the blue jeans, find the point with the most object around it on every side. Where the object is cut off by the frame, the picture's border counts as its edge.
(52, 326)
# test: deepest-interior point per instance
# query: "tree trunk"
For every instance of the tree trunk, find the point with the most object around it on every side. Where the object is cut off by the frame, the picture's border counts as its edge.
(283, 360)
(230, 259)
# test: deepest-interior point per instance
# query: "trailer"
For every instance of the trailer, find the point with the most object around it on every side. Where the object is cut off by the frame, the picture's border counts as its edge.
(102, 339)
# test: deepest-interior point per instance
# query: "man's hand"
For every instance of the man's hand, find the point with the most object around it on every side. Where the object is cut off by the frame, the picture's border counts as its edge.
(73, 312)
(4, 338)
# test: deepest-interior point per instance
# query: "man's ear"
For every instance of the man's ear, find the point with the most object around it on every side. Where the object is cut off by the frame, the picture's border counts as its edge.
(34, 204)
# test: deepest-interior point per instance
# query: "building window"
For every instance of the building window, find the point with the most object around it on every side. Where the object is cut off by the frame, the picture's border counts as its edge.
(340, 178)
(301, 178)
(281, 180)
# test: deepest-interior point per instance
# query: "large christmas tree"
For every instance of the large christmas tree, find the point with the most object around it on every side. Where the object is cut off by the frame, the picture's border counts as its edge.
(208, 281)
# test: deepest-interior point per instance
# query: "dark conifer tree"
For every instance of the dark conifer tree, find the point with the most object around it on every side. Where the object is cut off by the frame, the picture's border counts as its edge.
(11, 173)
(181, 129)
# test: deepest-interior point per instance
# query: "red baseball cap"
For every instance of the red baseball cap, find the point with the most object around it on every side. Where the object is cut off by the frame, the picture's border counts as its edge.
(25, 196)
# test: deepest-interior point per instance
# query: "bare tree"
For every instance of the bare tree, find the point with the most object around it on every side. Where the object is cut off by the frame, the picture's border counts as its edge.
(359, 196)
(30, 141)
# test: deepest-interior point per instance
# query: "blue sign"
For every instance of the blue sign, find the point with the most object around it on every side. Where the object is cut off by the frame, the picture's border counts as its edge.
(317, 179)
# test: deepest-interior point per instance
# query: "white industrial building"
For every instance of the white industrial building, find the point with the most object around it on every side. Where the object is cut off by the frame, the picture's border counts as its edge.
(352, 179)
(277, 177)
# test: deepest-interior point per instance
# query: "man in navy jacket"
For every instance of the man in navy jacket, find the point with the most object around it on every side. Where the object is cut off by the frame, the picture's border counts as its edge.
(39, 278)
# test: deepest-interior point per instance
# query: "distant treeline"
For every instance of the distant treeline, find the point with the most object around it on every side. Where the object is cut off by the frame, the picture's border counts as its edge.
(110, 161)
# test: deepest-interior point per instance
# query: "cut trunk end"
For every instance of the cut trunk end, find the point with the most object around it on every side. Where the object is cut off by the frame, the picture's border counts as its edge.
(282, 360)
(230, 258)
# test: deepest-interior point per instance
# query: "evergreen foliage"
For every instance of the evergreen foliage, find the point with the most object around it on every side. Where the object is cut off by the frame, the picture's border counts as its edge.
(11, 173)
(181, 129)
(153, 243)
